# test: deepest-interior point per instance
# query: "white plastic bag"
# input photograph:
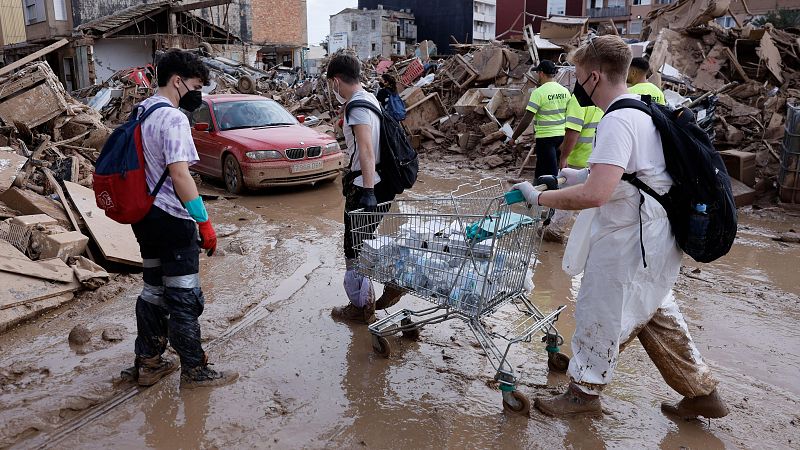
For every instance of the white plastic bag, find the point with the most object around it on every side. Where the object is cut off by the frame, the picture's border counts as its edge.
(578, 243)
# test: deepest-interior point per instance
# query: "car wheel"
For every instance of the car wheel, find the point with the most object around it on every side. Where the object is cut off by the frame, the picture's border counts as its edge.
(232, 174)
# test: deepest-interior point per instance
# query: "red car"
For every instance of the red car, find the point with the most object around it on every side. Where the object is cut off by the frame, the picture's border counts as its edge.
(252, 142)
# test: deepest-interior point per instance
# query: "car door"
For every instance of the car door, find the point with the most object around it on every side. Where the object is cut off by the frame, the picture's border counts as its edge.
(207, 143)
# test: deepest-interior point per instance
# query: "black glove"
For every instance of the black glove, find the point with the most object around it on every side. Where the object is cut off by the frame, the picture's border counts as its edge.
(368, 200)
(548, 180)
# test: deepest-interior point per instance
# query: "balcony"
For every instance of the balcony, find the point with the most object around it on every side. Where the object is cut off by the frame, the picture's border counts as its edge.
(611, 11)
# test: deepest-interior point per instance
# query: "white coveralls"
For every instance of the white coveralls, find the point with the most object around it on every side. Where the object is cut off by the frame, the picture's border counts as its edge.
(620, 299)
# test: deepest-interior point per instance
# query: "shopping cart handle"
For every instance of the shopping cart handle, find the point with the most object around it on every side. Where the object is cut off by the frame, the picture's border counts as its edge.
(516, 196)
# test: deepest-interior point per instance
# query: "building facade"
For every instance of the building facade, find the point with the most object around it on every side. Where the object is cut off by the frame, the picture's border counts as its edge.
(373, 32)
(628, 15)
(466, 21)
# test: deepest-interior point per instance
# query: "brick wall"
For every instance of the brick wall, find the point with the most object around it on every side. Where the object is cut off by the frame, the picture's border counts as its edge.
(280, 22)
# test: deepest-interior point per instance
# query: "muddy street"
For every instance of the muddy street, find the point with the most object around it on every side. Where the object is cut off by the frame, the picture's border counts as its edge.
(308, 381)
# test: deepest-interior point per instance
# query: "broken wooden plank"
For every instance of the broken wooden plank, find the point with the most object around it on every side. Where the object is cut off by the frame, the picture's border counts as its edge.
(10, 165)
(33, 56)
(49, 269)
(115, 240)
(16, 289)
(14, 315)
(27, 169)
(28, 202)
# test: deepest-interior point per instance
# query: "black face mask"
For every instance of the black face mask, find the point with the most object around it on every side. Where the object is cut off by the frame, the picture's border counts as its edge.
(191, 100)
(584, 98)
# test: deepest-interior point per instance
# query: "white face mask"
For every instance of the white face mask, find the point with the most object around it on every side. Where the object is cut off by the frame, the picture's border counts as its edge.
(339, 97)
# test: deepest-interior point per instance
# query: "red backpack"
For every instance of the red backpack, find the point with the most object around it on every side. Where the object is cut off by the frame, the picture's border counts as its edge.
(120, 184)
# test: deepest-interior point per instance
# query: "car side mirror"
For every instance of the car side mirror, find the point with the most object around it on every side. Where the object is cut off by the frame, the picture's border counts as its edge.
(201, 126)
(301, 118)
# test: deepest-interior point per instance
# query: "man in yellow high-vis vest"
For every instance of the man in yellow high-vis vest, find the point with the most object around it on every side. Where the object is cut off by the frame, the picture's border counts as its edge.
(547, 109)
(579, 134)
(638, 84)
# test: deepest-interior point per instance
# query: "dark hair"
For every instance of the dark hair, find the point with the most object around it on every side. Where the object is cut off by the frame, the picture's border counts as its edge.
(184, 64)
(345, 66)
(641, 64)
(390, 82)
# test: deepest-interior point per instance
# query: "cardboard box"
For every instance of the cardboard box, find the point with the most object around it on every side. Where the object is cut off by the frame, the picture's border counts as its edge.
(740, 165)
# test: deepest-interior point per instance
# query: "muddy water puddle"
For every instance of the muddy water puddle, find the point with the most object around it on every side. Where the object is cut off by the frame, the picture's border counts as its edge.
(310, 382)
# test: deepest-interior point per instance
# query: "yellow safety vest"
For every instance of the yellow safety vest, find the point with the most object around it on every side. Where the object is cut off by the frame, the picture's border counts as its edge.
(584, 121)
(548, 103)
(648, 89)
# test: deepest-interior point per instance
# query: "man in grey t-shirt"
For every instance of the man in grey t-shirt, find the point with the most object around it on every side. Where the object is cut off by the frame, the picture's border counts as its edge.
(362, 185)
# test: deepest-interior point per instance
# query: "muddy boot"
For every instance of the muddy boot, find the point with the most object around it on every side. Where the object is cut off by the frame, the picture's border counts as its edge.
(352, 313)
(392, 294)
(205, 376)
(153, 369)
(571, 403)
(709, 406)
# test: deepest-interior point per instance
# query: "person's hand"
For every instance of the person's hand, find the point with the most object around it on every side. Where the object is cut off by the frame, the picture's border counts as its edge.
(208, 237)
(573, 176)
(512, 142)
(368, 200)
(528, 191)
(562, 162)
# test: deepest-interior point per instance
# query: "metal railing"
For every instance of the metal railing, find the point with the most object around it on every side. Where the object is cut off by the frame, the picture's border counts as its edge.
(610, 11)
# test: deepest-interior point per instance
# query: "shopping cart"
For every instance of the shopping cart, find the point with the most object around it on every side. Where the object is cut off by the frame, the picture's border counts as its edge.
(468, 254)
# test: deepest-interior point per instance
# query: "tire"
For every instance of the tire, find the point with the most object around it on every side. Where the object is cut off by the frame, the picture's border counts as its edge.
(246, 85)
(207, 49)
(232, 175)
(557, 362)
(381, 346)
(523, 409)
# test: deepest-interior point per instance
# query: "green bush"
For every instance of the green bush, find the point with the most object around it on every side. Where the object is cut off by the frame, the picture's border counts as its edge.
(782, 18)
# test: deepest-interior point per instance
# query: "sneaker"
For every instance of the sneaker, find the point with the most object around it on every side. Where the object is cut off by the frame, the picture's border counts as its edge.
(392, 294)
(352, 313)
(204, 376)
(153, 369)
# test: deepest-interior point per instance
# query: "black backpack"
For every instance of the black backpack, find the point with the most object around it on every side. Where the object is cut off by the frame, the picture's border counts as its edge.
(399, 163)
(700, 181)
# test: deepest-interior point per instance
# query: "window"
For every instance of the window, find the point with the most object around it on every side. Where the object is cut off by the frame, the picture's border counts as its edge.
(373, 24)
(636, 26)
(202, 115)
(373, 47)
(642, 2)
(60, 10)
(556, 7)
(354, 26)
(34, 11)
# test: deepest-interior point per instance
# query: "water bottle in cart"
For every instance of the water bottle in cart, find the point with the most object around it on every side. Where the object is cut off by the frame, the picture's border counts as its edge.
(698, 227)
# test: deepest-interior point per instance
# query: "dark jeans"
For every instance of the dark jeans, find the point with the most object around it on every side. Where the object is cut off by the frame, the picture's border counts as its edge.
(547, 155)
(365, 224)
(171, 300)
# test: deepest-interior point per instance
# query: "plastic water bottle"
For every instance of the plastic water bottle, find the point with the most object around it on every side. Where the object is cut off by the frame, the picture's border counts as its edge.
(698, 227)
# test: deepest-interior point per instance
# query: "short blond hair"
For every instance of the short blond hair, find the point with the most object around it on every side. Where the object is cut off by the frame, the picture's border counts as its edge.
(609, 54)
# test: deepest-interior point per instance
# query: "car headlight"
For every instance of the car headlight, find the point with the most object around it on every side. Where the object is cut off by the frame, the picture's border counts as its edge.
(260, 155)
(331, 148)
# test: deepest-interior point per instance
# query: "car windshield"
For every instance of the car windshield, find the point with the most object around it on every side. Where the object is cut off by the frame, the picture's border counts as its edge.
(251, 114)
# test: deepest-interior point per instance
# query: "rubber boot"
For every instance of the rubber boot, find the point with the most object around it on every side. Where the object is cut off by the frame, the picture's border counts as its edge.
(709, 406)
(205, 376)
(352, 313)
(153, 369)
(392, 294)
(574, 402)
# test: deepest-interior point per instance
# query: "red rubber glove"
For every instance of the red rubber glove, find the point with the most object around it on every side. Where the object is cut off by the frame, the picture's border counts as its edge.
(208, 237)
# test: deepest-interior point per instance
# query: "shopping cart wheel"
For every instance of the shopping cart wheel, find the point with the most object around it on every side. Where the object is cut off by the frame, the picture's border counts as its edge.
(557, 362)
(412, 334)
(381, 346)
(523, 406)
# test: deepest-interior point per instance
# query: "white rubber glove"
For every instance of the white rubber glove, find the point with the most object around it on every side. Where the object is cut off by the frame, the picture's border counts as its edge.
(529, 192)
(573, 176)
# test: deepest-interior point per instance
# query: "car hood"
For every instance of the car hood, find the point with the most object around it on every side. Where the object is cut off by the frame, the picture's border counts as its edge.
(277, 138)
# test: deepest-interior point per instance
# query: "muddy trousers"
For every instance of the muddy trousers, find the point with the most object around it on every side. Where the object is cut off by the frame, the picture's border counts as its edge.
(666, 339)
(365, 225)
(547, 155)
(171, 300)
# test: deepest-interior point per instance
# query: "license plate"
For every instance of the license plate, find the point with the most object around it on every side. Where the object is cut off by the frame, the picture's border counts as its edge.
(305, 167)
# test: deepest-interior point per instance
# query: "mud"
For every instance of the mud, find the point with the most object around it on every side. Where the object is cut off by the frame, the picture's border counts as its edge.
(307, 381)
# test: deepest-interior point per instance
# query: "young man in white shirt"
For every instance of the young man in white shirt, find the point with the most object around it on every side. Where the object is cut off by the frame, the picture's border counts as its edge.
(362, 186)
(622, 297)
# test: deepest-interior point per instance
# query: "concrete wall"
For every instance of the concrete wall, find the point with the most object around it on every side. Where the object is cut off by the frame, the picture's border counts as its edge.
(111, 55)
(364, 37)
(760, 7)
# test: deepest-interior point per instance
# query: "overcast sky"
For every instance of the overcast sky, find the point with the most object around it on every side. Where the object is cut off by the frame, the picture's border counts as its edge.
(319, 14)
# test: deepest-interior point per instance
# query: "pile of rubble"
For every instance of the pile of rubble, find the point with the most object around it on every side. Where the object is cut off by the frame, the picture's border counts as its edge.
(52, 235)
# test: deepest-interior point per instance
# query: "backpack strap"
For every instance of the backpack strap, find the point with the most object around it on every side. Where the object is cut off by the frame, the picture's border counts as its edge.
(141, 118)
(359, 104)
